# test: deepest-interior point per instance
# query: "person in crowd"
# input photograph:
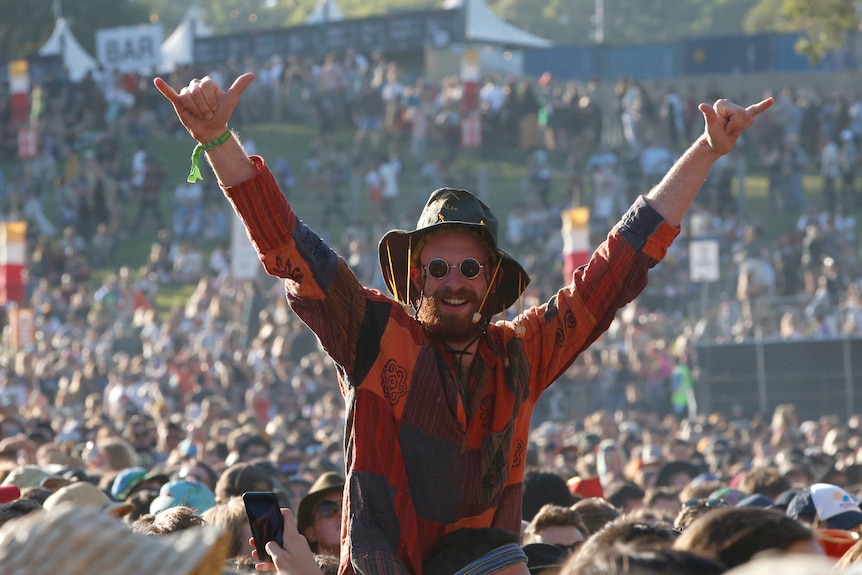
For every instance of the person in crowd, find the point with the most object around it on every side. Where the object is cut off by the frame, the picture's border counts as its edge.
(733, 535)
(826, 506)
(170, 520)
(232, 518)
(484, 376)
(596, 512)
(318, 516)
(622, 559)
(542, 488)
(560, 526)
(488, 550)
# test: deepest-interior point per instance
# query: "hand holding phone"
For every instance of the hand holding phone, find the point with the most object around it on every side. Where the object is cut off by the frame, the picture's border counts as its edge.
(265, 520)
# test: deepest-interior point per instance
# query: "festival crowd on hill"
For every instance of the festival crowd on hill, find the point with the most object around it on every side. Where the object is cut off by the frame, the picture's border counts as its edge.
(228, 390)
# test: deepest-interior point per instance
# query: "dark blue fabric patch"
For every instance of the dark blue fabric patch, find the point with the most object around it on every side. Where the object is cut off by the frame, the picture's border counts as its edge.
(321, 258)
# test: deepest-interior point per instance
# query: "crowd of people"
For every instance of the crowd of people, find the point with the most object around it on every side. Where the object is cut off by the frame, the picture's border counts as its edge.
(172, 415)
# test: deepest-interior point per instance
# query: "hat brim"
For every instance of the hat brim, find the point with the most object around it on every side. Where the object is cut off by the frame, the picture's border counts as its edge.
(394, 258)
(324, 484)
(847, 520)
(118, 509)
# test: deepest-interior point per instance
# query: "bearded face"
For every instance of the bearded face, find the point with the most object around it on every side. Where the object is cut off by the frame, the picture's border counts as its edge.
(452, 296)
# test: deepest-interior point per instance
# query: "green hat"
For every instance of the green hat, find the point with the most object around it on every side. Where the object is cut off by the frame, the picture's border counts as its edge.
(327, 482)
(449, 208)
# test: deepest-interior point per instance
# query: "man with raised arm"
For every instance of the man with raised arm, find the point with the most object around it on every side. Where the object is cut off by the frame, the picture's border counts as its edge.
(439, 396)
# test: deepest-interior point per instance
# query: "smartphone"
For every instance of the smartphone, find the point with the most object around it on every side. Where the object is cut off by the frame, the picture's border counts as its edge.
(264, 518)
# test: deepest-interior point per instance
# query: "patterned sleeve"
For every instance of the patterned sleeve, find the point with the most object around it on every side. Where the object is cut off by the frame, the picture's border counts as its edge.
(558, 331)
(319, 285)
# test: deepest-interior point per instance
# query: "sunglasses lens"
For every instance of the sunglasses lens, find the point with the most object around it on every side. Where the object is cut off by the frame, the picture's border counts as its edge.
(470, 268)
(438, 268)
(327, 509)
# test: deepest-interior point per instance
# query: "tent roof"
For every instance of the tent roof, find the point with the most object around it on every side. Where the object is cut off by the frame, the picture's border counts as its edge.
(63, 43)
(178, 48)
(325, 10)
(483, 25)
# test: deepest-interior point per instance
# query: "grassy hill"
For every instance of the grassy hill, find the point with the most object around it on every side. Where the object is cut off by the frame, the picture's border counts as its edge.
(505, 179)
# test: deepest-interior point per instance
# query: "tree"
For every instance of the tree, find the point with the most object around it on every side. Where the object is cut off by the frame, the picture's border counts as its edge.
(824, 22)
(26, 26)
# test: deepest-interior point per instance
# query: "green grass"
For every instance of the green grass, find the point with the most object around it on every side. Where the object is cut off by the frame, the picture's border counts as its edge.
(505, 183)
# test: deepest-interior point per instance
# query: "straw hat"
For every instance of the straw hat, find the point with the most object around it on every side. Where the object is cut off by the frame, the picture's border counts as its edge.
(76, 540)
(85, 494)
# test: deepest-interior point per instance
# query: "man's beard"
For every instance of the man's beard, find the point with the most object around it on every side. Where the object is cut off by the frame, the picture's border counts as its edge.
(449, 327)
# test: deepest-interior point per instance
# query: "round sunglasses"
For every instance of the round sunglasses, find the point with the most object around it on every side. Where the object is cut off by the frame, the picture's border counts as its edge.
(439, 268)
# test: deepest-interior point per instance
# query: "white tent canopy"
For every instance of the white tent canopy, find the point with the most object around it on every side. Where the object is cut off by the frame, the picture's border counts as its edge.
(179, 47)
(63, 43)
(325, 11)
(482, 25)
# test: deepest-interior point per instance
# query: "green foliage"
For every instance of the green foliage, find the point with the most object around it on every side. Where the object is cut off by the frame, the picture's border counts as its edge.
(825, 22)
(23, 27)
(26, 25)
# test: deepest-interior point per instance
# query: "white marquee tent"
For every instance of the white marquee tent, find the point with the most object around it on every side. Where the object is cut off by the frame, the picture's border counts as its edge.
(325, 11)
(482, 25)
(178, 48)
(63, 43)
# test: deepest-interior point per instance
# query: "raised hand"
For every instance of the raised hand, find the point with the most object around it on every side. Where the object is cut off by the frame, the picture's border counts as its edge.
(726, 121)
(202, 106)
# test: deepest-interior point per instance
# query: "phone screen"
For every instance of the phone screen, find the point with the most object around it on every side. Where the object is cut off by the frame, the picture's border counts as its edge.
(264, 518)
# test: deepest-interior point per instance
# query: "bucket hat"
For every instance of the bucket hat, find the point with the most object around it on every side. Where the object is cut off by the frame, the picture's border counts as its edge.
(456, 209)
(327, 482)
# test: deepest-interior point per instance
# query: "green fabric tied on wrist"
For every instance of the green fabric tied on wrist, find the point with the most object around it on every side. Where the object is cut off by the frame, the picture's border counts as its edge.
(195, 172)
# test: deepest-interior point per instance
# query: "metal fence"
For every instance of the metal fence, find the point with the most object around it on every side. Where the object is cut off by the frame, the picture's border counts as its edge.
(819, 376)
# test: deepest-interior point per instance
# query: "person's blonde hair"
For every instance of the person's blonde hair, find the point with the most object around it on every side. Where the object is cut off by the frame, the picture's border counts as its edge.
(229, 516)
(118, 453)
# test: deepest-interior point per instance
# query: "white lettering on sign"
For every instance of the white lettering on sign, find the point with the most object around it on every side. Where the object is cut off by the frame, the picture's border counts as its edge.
(130, 48)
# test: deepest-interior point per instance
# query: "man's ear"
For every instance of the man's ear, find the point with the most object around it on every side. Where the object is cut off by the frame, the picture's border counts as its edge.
(415, 279)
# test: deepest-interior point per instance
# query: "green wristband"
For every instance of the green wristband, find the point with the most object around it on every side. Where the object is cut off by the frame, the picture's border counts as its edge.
(195, 172)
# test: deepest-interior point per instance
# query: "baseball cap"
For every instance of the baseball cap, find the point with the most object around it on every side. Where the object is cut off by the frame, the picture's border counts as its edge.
(183, 492)
(128, 480)
(730, 495)
(756, 500)
(9, 493)
(827, 505)
(26, 476)
(125, 481)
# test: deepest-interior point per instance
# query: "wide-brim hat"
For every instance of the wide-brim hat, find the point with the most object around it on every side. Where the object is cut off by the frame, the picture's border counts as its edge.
(457, 209)
(327, 482)
(84, 494)
(80, 540)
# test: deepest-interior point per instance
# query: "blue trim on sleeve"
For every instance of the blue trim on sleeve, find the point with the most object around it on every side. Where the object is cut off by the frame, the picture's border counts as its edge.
(639, 223)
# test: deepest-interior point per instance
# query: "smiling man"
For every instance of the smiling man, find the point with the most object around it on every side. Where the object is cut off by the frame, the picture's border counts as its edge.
(439, 394)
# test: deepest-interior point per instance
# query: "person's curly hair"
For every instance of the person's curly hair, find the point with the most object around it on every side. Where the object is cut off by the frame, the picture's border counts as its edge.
(170, 520)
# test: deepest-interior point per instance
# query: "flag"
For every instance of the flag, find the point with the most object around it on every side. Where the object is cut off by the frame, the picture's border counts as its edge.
(576, 240)
(13, 260)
